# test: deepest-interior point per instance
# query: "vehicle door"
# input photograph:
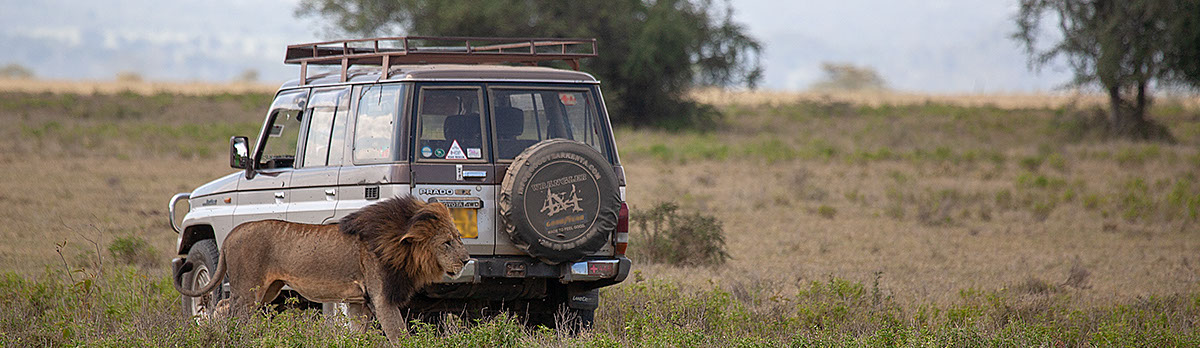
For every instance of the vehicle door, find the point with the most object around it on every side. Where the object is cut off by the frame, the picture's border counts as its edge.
(312, 193)
(452, 159)
(375, 163)
(524, 115)
(262, 195)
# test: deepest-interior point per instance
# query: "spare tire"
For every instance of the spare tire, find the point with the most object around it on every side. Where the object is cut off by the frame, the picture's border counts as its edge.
(559, 200)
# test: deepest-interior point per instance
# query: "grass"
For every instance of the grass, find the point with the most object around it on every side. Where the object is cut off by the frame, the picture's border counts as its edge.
(847, 222)
(124, 306)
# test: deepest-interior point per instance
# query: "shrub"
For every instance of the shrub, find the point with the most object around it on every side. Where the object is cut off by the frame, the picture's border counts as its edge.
(665, 235)
(133, 250)
(826, 211)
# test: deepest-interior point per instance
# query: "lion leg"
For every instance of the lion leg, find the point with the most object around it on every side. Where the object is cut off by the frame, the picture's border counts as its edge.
(390, 319)
(359, 316)
(223, 310)
(268, 293)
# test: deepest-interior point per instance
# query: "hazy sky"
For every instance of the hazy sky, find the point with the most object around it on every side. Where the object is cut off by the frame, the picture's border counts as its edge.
(931, 45)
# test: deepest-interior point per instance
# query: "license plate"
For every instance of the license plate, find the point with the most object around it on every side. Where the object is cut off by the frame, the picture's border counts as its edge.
(466, 221)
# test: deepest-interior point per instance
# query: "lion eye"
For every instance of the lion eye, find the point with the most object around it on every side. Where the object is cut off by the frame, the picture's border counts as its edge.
(446, 244)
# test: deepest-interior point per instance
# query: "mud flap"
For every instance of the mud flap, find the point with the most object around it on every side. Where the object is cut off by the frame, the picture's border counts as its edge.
(586, 300)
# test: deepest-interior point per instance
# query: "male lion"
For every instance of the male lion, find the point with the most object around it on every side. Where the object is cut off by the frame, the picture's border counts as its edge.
(382, 255)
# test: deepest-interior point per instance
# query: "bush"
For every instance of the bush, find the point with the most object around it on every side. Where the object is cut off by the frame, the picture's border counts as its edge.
(826, 211)
(133, 250)
(682, 239)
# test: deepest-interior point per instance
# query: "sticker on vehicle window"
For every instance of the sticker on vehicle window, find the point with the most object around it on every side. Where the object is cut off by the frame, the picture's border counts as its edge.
(426, 152)
(276, 130)
(567, 99)
(439, 153)
(474, 152)
(455, 152)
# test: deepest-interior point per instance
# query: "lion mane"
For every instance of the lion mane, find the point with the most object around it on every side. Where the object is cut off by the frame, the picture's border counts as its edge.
(383, 227)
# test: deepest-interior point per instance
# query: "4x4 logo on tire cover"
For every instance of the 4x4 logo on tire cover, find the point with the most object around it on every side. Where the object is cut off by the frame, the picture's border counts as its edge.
(555, 202)
(566, 196)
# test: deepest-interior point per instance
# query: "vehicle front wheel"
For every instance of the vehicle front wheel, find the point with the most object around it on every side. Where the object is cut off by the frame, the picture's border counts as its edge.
(204, 257)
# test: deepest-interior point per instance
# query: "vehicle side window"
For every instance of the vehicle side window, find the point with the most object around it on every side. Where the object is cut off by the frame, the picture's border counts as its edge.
(450, 125)
(323, 108)
(375, 125)
(283, 133)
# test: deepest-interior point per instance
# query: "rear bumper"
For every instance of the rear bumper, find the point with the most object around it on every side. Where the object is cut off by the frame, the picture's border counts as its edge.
(610, 270)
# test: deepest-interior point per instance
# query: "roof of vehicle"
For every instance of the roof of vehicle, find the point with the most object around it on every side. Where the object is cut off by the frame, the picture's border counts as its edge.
(448, 72)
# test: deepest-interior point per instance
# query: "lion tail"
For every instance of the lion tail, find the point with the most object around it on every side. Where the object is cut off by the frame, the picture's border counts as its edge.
(216, 278)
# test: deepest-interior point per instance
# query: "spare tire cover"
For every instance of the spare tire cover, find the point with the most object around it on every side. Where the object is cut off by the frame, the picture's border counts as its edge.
(559, 200)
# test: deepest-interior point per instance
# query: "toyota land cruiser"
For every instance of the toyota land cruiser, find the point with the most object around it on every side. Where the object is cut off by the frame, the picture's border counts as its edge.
(523, 155)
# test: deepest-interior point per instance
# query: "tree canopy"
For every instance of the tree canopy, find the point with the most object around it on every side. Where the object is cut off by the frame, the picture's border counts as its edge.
(849, 77)
(1125, 46)
(651, 52)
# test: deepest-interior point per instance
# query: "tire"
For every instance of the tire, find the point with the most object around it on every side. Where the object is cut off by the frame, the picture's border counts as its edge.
(559, 201)
(204, 257)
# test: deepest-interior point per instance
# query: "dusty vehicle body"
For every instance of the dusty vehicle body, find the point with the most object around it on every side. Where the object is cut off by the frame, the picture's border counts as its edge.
(414, 122)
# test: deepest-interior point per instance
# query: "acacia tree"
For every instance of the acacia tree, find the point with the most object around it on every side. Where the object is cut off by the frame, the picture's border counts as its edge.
(651, 51)
(1183, 48)
(1122, 45)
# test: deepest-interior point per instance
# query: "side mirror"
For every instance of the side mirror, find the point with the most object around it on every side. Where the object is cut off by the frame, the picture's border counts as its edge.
(239, 153)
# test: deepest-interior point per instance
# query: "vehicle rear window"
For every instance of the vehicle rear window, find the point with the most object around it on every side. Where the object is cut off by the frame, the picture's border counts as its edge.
(524, 117)
(450, 126)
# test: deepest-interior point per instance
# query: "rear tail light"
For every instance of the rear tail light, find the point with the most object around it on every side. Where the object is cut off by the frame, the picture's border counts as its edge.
(621, 237)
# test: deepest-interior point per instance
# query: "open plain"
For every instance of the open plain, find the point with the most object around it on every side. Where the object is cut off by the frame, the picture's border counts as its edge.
(913, 220)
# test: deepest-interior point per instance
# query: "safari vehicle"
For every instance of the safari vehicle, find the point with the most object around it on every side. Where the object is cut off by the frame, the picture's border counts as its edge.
(523, 155)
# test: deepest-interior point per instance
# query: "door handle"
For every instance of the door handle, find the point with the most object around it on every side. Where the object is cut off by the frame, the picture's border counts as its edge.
(474, 174)
(278, 195)
(330, 192)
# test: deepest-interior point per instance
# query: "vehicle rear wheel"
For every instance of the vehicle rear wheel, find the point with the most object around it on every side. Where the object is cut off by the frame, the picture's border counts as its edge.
(204, 257)
(559, 201)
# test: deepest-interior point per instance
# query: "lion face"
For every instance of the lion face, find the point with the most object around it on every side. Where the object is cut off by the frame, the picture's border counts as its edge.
(445, 242)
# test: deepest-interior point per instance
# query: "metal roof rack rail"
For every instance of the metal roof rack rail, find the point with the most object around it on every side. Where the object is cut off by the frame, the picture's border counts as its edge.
(386, 51)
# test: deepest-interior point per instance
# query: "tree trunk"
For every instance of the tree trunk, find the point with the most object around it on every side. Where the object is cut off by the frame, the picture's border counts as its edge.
(1138, 115)
(1128, 118)
(1114, 107)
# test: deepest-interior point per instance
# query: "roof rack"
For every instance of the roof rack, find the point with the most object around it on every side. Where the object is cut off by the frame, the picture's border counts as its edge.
(386, 51)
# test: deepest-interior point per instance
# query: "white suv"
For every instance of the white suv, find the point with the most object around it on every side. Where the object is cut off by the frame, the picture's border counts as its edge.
(524, 156)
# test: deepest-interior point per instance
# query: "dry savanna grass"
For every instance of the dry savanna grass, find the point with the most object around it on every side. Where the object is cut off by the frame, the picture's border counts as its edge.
(877, 98)
(852, 215)
(134, 85)
(933, 198)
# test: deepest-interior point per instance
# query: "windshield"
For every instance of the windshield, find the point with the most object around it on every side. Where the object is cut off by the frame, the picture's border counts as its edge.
(279, 145)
